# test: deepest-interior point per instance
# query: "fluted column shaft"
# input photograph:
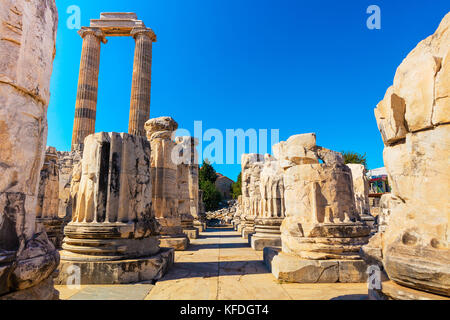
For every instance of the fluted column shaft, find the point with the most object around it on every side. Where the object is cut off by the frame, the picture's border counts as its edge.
(142, 78)
(86, 103)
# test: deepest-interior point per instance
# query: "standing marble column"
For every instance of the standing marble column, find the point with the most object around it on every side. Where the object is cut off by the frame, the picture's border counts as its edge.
(142, 79)
(86, 104)
(164, 178)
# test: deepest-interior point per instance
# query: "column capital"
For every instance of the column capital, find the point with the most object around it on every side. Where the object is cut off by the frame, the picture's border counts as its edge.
(144, 31)
(84, 31)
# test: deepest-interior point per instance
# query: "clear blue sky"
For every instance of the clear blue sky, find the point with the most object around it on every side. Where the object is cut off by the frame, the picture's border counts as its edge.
(297, 66)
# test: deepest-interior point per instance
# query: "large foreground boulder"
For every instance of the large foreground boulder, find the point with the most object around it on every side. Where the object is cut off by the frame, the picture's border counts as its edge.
(414, 121)
(27, 47)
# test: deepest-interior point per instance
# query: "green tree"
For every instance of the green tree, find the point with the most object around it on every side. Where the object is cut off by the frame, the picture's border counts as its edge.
(206, 181)
(207, 172)
(236, 187)
(354, 157)
(211, 197)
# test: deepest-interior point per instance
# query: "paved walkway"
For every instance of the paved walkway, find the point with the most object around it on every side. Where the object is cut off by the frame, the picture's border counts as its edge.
(220, 265)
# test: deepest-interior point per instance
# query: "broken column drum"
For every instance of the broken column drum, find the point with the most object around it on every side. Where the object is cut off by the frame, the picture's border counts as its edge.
(322, 232)
(271, 214)
(160, 133)
(113, 230)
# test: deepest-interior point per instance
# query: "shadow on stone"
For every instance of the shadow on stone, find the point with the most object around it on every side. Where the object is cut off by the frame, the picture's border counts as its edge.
(196, 247)
(352, 297)
(183, 270)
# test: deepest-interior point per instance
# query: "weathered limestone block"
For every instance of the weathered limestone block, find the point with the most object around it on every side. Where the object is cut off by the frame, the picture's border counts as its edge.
(186, 189)
(271, 214)
(321, 223)
(67, 161)
(48, 198)
(415, 243)
(392, 111)
(113, 220)
(360, 188)
(163, 164)
(27, 48)
(372, 252)
(251, 196)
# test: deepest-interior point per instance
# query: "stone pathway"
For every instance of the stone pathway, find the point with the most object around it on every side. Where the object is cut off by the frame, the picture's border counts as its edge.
(220, 265)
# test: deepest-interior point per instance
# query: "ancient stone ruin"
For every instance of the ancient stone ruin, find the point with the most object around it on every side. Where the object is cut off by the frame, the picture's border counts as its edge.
(68, 164)
(251, 194)
(113, 236)
(236, 221)
(322, 233)
(413, 119)
(361, 191)
(116, 207)
(48, 198)
(272, 209)
(27, 256)
(113, 25)
(187, 183)
(160, 133)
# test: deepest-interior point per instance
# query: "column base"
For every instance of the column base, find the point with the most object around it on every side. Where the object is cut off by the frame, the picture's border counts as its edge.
(259, 242)
(150, 268)
(247, 231)
(267, 233)
(178, 242)
(191, 233)
(290, 268)
(42, 291)
(393, 291)
(201, 226)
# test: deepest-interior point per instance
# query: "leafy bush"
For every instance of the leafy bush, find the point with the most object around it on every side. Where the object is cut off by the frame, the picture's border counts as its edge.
(354, 157)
